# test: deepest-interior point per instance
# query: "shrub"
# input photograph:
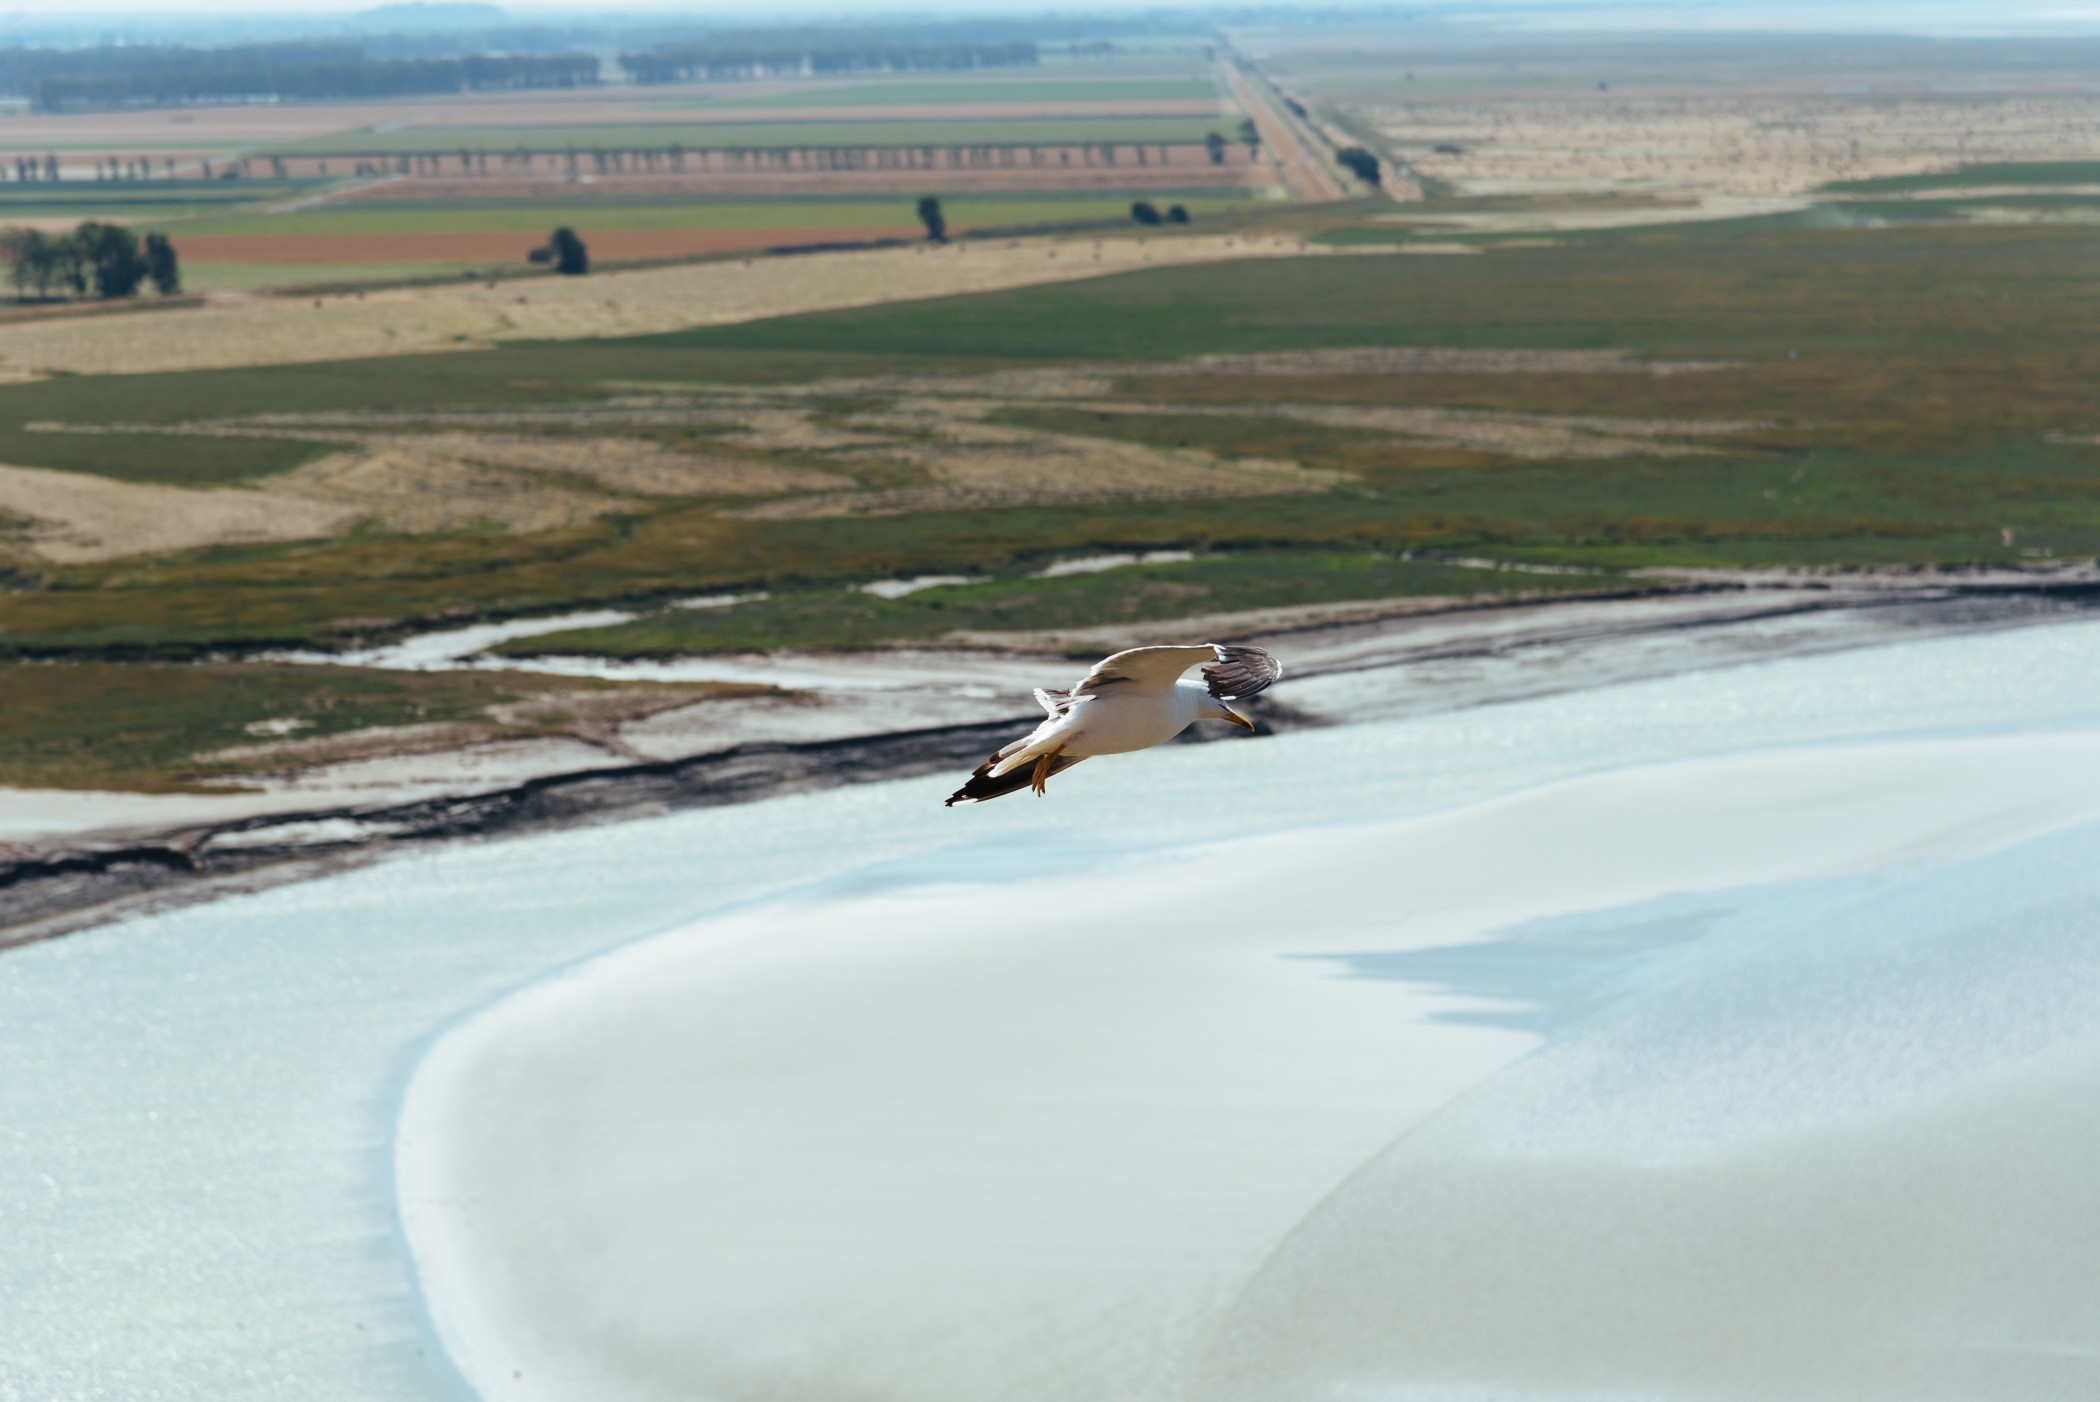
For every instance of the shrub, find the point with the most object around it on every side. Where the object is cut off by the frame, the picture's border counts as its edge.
(936, 222)
(1361, 163)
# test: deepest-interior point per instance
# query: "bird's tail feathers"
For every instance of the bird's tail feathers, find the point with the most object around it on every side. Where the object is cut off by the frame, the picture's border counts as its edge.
(984, 785)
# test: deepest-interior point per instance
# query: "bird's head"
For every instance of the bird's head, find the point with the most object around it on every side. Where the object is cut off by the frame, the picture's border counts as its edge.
(1215, 709)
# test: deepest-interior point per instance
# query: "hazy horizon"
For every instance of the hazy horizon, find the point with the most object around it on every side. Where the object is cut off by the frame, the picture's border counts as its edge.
(1935, 17)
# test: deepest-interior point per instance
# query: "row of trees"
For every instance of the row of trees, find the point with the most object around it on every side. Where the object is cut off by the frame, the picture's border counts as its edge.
(628, 161)
(1144, 212)
(689, 60)
(677, 158)
(1215, 142)
(40, 169)
(150, 75)
(105, 260)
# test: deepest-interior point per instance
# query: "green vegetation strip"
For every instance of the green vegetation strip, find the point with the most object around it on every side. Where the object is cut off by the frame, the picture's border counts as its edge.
(1976, 176)
(91, 725)
(980, 92)
(817, 214)
(1904, 396)
(850, 618)
(962, 131)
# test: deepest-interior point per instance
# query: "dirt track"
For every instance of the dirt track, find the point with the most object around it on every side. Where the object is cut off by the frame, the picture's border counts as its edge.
(495, 248)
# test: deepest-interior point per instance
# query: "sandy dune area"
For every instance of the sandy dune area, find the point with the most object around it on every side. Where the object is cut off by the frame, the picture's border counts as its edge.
(73, 516)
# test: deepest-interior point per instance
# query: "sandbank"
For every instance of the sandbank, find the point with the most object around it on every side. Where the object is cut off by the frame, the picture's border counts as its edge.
(1056, 1137)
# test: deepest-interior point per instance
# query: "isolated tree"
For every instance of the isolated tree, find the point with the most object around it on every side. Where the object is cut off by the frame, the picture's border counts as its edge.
(1361, 163)
(1177, 214)
(936, 222)
(161, 267)
(567, 252)
(1250, 134)
(1144, 213)
(1215, 144)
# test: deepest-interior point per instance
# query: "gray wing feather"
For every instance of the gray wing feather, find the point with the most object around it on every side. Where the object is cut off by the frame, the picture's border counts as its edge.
(1241, 672)
(1146, 670)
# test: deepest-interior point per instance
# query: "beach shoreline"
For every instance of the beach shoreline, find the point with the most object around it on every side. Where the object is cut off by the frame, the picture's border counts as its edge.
(103, 857)
(1160, 1118)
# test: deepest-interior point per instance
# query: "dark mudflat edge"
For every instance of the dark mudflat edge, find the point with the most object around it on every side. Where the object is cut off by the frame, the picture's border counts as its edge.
(65, 889)
(58, 892)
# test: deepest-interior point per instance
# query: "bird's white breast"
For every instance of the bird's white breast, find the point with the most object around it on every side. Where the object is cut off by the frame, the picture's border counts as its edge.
(1114, 723)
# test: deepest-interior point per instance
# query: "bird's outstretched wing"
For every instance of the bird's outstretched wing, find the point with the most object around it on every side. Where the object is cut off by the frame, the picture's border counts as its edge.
(1233, 673)
(1145, 671)
(1241, 672)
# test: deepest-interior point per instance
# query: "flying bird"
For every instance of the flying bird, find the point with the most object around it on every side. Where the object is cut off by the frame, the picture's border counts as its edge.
(1131, 701)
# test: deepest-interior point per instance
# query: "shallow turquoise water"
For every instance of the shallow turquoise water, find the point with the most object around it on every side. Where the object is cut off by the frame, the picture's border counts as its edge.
(194, 1108)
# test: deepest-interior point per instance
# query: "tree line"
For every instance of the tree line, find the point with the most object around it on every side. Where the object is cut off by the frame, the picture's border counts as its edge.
(686, 60)
(57, 80)
(102, 260)
(675, 158)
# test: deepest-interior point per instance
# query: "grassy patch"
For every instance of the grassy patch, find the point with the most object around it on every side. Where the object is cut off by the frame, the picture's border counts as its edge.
(204, 275)
(1907, 386)
(156, 727)
(1003, 90)
(849, 618)
(961, 131)
(1668, 293)
(1972, 176)
(461, 216)
(173, 459)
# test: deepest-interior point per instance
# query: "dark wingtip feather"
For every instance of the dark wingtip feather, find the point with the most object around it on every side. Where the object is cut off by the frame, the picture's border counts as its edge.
(982, 787)
(1241, 672)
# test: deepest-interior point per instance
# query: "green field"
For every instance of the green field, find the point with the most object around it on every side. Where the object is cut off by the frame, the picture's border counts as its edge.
(242, 275)
(160, 727)
(1901, 375)
(1861, 213)
(698, 212)
(1904, 396)
(694, 136)
(1976, 176)
(909, 93)
(140, 199)
(843, 618)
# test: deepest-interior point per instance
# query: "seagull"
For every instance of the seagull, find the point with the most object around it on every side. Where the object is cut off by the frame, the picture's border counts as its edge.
(1131, 701)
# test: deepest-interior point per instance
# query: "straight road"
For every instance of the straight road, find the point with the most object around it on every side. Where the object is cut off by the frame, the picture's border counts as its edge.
(1294, 150)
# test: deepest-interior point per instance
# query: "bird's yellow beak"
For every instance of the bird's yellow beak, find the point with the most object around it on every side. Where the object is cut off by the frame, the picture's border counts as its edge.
(1237, 719)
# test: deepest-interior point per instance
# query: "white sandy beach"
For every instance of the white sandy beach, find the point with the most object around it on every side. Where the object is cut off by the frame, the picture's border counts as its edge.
(202, 1105)
(1133, 1131)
